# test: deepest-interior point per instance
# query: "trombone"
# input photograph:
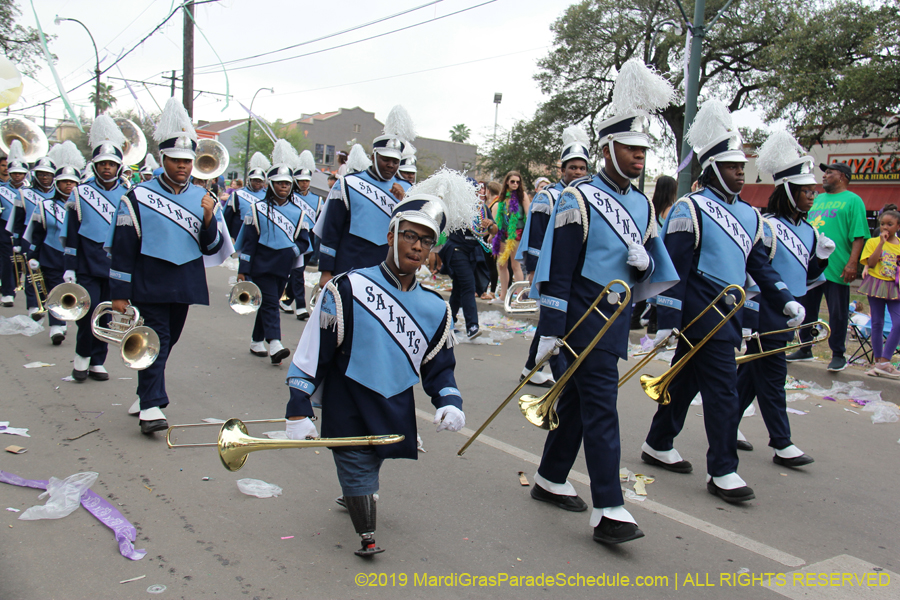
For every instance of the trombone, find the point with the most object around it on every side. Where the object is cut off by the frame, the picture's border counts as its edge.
(68, 302)
(18, 261)
(245, 298)
(138, 345)
(820, 332)
(513, 303)
(658, 387)
(235, 443)
(36, 279)
(539, 409)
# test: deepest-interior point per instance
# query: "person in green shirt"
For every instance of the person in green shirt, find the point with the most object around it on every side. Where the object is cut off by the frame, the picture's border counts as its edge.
(841, 215)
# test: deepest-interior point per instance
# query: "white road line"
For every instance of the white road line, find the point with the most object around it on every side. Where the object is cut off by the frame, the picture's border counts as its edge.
(661, 509)
(855, 578)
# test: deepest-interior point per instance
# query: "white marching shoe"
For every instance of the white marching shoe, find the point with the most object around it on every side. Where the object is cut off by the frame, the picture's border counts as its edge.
(135, 409)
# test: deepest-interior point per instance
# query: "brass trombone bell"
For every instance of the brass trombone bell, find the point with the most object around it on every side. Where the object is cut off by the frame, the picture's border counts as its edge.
(138, 345)
(211, 161)
(135, 147)
(819, 330)
(34, 141)
(235, 443)
(68, 302)
(245, 298)
(513, 304)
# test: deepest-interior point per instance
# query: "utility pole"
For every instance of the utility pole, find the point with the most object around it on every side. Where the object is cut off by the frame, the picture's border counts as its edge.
(187, 97)
(174, 79)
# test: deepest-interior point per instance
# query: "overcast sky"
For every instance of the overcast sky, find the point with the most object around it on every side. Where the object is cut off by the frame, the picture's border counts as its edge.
(444, 72)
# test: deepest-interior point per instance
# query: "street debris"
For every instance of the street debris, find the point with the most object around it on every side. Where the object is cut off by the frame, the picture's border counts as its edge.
(523, 479)
(132, 579)
(258, 488)
(38, 365)
(5, 428)
(82, 435)
(20, 324)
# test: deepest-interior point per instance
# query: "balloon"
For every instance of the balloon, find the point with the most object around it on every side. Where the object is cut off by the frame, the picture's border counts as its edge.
(10, 83)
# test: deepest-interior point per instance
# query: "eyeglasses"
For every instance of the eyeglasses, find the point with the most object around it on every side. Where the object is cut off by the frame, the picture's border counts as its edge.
(511, 181)
(811, 194)
(411, 237)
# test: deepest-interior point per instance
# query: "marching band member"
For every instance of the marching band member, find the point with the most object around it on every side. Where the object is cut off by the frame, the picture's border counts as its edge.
(150, 165)
(46, 230)
(375, 333)
(238, 206)
(407, 169)
(603, 229)
(164, 228)
(359, 206)
(308, 203)
(89, 215)
(9, 238)
(573, 168)
(799, 254)
(714, 239)
(270, 245)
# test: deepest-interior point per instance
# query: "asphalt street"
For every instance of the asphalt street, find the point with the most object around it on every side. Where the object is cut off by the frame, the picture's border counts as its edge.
(826, 531)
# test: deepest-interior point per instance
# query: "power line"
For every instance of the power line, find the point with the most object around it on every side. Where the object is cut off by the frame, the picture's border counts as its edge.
(277, 60)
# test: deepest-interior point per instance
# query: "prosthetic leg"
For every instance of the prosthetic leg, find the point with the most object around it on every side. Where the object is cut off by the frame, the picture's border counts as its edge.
(362, 513)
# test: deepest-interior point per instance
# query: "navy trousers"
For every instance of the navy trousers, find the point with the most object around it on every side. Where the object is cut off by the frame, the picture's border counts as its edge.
(463, 292)
(167, 320)
(268, 321)
(86, 345)
(713, 373)
(52, 278)
(587, 411)
(837, 297)
(763, 379)
(7, 270)
(296, 288)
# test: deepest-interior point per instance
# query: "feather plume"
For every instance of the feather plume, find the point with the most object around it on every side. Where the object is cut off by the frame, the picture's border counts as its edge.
(104, 129)
(67, 154)
(639, 88)
(711, 121)
(400, 124)
(778, 151)
(409, 151)
(573, 134)
(306, 161)
(461, 203)
(358, 160)
(259, 161)
(173, 122)
(150, 163)
(16, 152)
(284, 154)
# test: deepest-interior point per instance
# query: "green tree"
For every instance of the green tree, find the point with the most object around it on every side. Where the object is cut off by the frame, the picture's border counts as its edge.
(460, 133)
(106, 97)
(260, 142)
(21, 45)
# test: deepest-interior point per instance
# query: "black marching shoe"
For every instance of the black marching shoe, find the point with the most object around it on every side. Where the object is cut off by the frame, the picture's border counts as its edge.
(801, 355)
(570, 503)
(98, 375)
(735, 496)
(79, 376)
(744, 445)
(797, 461)
(369, 548)
(148, 427)
(682, 466)
(609, 531)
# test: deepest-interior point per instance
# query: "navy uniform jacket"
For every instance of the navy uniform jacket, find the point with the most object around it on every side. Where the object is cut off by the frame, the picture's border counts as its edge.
(685, 239)
(44, 233)
(84, 255)
(139, 277)
(9, 198)
(23, 210)
(257, 254)
(238, 207)
(325, 361)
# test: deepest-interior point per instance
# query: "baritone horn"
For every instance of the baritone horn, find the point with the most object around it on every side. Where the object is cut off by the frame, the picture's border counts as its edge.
(235, 443)
(135, 147)
(138, 345)
(820, 331)
(212, 159)
(514, 303)
(34, 140)
(539, 409)
(68, 302)
(245, 298)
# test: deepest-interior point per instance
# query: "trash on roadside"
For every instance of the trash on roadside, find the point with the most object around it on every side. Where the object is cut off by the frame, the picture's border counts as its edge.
(523, 479)
(794, 411)
(211, 420)
(883, 412)
(65, 497)
(5, 428)
(132, 579)
(16, 449)
(276, 435)
(11, 509)
(796, 396)
(20, 324)
(258, 488)
(38, 365)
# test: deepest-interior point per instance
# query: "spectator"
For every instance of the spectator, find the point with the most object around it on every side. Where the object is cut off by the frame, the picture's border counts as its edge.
(342, 163)
(509, 214)
(4, 170)
(540, 183)
(492, 197)
(841, 215)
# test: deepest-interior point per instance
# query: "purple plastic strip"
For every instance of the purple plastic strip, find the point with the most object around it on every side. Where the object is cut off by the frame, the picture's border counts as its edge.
(104, 512)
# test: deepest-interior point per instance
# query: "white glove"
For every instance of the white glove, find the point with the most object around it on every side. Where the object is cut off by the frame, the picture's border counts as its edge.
(34, 264)
(69, 277)
(450, 418)
(824, 247)
(547, 345)
(796, 312)
(638, 257)
(300, 429)
(746, 333)
(662, 334)
(17, 249)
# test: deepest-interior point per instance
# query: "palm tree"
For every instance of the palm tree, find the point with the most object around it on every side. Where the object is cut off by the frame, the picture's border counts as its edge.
(460, 133)
(106, 97)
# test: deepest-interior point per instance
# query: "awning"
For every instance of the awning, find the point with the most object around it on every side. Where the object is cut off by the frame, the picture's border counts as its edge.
(875, 196)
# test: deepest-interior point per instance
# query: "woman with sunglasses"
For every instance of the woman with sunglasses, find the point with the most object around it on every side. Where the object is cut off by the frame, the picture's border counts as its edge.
(509, 214)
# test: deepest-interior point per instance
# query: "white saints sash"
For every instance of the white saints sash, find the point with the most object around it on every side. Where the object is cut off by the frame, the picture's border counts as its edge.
(246, 197)
(728, 222)
(277, 217)
(308, 211)
(393, 317)
(57, 209)
(31, 196)
(11, 196)
(791, 241)
(170, 210)
(373, 194)
(615, 215)
(97, 201)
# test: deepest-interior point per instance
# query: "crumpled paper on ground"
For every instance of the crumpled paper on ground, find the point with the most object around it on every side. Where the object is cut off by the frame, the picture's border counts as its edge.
(20, 324)
(65, 497)
(883, 412)
(495, 329)
(851, 390)
(258, 488)
(5, 428)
